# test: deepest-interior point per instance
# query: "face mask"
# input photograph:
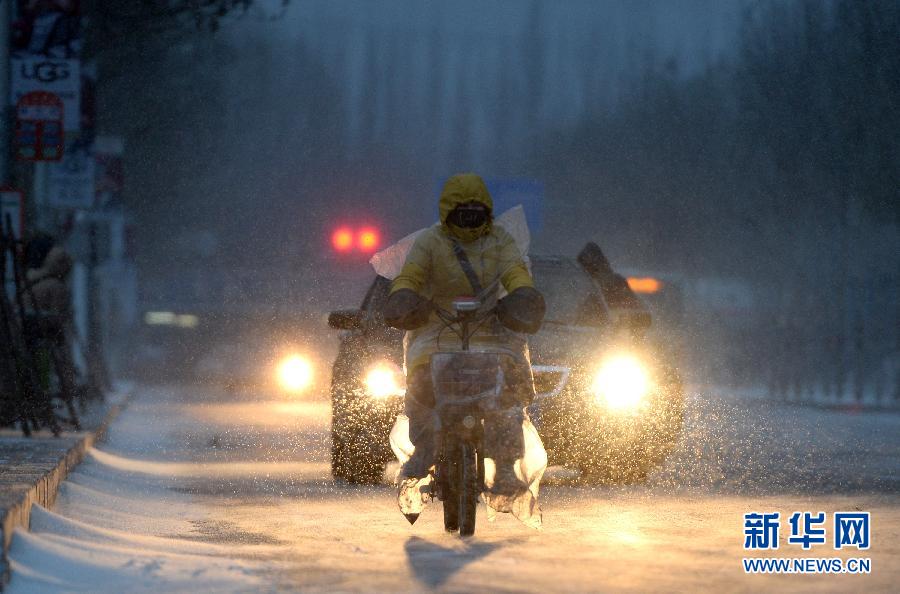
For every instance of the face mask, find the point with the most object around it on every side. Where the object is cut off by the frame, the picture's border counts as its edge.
(467, 235)
(468, 216)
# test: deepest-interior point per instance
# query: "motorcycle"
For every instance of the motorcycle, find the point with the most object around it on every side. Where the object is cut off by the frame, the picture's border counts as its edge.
(484, 443)
(467, 389)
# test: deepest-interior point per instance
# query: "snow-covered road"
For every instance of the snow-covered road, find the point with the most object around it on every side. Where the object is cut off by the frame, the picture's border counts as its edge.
(196, 490)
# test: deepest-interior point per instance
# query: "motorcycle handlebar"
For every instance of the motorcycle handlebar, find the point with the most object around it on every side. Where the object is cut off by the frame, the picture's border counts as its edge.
(451, 318)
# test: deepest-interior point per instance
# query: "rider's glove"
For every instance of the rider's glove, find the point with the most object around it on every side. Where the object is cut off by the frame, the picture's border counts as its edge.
(406, 310)
(522, 310)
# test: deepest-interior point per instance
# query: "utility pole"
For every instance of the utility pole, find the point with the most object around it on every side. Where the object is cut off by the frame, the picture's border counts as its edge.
(5, 74)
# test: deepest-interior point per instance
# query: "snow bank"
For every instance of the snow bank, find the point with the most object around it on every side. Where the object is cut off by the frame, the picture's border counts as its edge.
(73, 560)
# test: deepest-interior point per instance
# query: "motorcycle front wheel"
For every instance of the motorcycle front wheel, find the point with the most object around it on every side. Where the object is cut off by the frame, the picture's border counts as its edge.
(447, 483)
(469, 488)
(451, 512)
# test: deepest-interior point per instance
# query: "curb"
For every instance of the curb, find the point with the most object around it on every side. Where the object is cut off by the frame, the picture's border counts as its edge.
(43, 491)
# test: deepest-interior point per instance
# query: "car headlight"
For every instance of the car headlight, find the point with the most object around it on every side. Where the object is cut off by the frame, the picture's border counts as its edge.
(384, 380)
(295, 373)
(621, 383)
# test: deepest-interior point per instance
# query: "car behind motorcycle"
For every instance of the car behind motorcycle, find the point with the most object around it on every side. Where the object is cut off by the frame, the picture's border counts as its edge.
(609, 402)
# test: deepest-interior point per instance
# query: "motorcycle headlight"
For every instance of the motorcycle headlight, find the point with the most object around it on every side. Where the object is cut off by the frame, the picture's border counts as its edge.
(295, 373)
(384, 380)
(621, 383)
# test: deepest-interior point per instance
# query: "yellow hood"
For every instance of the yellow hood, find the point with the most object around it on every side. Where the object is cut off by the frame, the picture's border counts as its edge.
(459, 189)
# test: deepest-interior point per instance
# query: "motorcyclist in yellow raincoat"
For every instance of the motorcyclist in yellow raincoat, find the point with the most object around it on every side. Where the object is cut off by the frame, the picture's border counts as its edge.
(466, 255)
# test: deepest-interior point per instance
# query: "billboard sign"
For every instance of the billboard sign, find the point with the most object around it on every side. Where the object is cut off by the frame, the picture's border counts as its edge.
(509, 192)
(59, 77)
(46, 46)
(50, 28)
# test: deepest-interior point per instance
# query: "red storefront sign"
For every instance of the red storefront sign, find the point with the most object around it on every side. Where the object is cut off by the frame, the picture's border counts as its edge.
(39, 127)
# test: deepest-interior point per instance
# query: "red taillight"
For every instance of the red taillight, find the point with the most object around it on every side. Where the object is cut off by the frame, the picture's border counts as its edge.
(342, 240)
(367, 240)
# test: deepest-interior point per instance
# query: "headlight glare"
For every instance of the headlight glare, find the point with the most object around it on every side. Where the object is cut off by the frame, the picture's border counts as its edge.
(621, 383)
(384, 380)
(295, 373)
